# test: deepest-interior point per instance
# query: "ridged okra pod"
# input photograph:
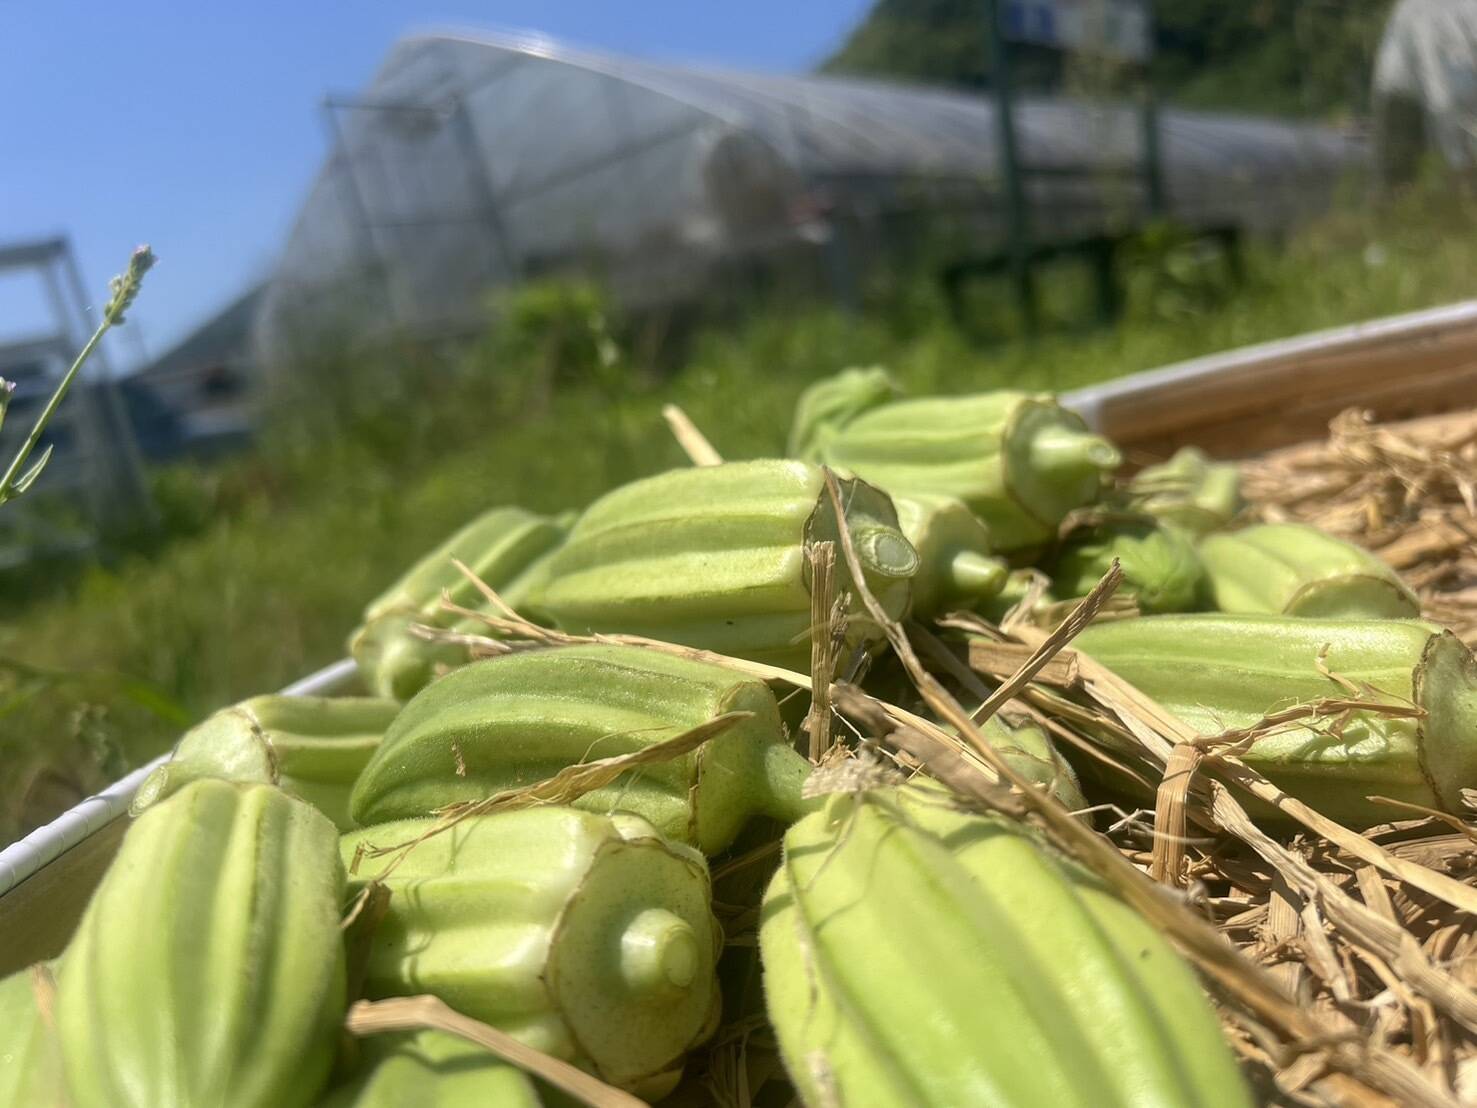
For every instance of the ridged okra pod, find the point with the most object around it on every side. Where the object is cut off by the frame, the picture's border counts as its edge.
(513, 720)
(209, 966)
(313, 746)
(586, 936)
(1189, 491)
(1222, 672)
(30, 1056)
(917, 954)
(715, 557)
(433, 1069)
(1017, 588)
(831, 403)
(955, 568)
(1019, 460)
(1160, 567)
(504, 547)
(1292, 569)
(1031, 753)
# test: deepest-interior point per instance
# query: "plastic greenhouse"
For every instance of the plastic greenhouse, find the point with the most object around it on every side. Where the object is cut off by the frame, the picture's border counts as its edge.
(477, 160)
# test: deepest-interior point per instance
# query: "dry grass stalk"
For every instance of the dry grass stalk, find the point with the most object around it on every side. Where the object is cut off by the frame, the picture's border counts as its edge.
(1041, 706)
(573, 782)
(999, 658)
(416, 1013)
(1021, 710)
(1044, 651)
(825, 621)
(1168, 861)
(1329, 715)
(1034, 610)
(948, 765)
(693, 442)
(43, 988)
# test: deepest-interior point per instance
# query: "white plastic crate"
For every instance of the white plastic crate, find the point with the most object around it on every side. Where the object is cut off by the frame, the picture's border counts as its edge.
(46, 878)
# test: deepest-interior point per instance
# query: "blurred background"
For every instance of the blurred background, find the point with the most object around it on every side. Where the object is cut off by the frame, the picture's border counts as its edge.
(418, 259)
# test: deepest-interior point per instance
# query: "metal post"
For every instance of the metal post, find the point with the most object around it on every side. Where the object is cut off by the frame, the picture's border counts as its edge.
(360, 206)
(1154, 190)
(1154, 193)
(466, 138)
(1017, 211)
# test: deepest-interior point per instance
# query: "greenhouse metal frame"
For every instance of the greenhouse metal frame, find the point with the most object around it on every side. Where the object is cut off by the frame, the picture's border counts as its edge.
(474, 161)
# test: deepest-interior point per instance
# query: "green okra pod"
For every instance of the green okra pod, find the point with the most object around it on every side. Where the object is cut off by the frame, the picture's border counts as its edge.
(715, 557)
(1226, 672)
(209, 966)
(832, 402)
(1160, 567)
(433, 1069)
(504, 547)
(313, 746)
(588, 937)
(1295, 570)
(30, 1057)
(1031, 753)
(1018, 460)
(955, 568)
(1189, 491)
(915, 953)
(511, 721)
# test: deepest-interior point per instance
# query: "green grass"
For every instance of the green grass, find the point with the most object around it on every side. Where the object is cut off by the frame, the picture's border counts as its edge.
(382, 455)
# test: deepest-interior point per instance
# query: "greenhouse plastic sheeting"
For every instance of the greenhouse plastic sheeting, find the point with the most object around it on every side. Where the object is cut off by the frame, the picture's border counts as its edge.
(1429, 55)
(475, 161)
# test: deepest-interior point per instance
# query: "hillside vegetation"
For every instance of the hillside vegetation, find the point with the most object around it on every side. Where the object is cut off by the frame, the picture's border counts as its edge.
(375, 457)
(1309, 57)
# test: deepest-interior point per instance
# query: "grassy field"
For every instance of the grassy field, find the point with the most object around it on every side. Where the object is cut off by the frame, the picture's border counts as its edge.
(376, 458)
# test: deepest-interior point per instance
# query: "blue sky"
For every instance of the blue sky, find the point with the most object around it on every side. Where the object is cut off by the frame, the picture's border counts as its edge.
(195, 127)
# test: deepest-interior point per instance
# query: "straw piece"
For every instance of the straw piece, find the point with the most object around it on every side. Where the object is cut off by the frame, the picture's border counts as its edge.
(1001, 658)
(564, 787)
(693, 442)
(826, 614)
(414, 1013)
(1168, 866)
(1130, 704)
(1406, 491)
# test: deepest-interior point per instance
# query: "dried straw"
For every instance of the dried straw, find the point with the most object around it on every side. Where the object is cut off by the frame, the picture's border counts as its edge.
(415, 1013)
(1345, 962)
(1407, 491)
(694, 443)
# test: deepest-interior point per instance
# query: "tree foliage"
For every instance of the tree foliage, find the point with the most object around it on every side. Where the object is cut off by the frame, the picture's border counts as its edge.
(1304, 57)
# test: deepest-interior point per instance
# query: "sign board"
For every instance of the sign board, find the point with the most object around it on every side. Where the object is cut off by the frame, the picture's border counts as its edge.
(1117, 28)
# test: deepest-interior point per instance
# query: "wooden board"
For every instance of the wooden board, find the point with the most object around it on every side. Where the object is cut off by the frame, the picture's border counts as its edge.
(1257, 398)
